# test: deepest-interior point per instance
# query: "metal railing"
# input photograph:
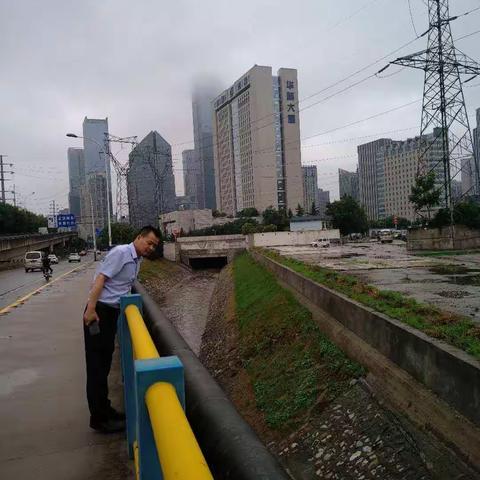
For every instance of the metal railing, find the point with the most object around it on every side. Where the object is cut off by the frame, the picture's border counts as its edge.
(160, 439)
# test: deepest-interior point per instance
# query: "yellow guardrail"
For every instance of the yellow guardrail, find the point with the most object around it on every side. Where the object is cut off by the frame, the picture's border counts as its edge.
(143, 346)
(179, 454)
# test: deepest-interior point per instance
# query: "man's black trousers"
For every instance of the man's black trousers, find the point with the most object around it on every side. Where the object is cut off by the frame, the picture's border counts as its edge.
(98, 353)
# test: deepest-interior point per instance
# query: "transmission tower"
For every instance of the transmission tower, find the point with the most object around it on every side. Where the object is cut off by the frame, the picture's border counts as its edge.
(121, 170)
(444, 103)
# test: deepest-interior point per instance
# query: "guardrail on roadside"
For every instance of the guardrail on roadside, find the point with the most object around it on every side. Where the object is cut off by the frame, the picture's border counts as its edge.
(160, 439)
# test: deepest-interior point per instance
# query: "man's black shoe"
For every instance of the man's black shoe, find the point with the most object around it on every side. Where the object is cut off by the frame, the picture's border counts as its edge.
(107, 426)
(115, 414)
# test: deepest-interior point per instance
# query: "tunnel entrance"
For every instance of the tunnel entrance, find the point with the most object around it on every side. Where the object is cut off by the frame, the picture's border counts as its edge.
(208, 263)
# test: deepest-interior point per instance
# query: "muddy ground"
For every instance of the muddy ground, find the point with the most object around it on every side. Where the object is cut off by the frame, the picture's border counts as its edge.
(450, 282)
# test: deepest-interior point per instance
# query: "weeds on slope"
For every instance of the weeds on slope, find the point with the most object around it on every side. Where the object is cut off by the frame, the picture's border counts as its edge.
(292, 365)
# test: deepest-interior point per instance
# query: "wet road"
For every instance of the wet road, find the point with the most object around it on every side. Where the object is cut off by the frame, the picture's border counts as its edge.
(43, 411)
(16, 283)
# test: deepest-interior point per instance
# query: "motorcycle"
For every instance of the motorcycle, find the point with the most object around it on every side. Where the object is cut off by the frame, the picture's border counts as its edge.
(47, 275)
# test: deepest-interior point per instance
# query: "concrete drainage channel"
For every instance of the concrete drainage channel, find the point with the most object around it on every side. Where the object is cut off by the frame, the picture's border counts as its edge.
(405, 364)
(231, 447)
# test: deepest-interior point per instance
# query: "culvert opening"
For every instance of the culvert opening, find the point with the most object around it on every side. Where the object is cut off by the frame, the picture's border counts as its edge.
(208, 263)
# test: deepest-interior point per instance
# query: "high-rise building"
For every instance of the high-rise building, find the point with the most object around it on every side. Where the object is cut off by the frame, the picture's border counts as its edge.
(323, 198)
(456, 187)
(94, 198)
(192, 178)
(97, 163)
(370, 178)
(348, 183)
(76, 178)
(95, 144)
(202, 110)
(467, 175)
(310, 188)
(257, 142)
(150, 180)
(475, 167)
(387, 170)
(400, 165)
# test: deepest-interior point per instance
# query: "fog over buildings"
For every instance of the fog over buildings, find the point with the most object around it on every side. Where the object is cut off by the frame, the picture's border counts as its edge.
(136, 65)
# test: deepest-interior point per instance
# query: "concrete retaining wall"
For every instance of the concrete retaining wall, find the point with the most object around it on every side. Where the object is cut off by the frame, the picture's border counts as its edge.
(449, 372)
(170, 251)
(462, 238)
(273, 239)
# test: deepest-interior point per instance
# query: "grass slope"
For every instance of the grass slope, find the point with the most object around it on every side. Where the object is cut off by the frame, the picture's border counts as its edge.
(292, 366)
(452, 328)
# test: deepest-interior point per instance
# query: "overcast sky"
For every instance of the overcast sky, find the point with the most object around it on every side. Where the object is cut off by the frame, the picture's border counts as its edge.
(134, 62)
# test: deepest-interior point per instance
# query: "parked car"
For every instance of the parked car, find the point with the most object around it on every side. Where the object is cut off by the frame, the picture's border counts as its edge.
(74, 257)
(53, 258)
(33, 261)
(321, 242)
(385, 236)
(82, 253)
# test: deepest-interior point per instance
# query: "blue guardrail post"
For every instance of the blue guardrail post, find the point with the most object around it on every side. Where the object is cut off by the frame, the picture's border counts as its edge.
(128, 368)
(148, 372)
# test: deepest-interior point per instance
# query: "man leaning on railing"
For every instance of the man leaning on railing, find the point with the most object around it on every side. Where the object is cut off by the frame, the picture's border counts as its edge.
(113, 279)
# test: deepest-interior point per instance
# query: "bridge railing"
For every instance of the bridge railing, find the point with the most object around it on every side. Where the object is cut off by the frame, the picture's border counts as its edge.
(160, 439)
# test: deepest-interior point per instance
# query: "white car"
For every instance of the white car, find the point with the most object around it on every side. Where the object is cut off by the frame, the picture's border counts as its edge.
(321, 242)
(74, 257)
(53, 258)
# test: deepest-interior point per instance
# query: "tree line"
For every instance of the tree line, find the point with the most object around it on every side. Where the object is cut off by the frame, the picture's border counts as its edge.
(15, 220)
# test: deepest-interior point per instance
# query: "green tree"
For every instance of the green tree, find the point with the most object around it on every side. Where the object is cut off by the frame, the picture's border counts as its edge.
(424, 194)
(271, 216)
(121, 233)
(465, 213)
(347, 215)
(290, 213)
(248, 212)
(388, 222)
(300, 211)
(15, 220)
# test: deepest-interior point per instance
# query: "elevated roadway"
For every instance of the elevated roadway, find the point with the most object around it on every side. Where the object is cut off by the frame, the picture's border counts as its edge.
(14, 247)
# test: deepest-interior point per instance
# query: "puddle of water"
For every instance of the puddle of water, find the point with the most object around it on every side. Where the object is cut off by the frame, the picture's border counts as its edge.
(452, 269)
(465, 280)
(453, 294)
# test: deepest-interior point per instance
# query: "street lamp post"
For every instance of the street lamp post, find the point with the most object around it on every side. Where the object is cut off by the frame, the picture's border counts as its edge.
(93, 227)
(73, 135)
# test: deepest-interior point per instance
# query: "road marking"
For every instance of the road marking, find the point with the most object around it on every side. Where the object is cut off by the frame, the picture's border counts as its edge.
(18, 302)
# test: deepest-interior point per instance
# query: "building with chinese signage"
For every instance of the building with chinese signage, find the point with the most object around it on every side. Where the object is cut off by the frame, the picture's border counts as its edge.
(257, 142)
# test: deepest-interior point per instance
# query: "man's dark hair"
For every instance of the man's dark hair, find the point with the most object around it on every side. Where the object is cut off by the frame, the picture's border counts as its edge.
(144, 231)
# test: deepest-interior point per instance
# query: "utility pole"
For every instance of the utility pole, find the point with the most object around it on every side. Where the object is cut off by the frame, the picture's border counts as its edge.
(444, 109)
(2, 179)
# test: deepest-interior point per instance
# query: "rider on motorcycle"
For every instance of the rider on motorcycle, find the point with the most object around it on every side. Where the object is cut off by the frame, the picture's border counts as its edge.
(46, 265)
